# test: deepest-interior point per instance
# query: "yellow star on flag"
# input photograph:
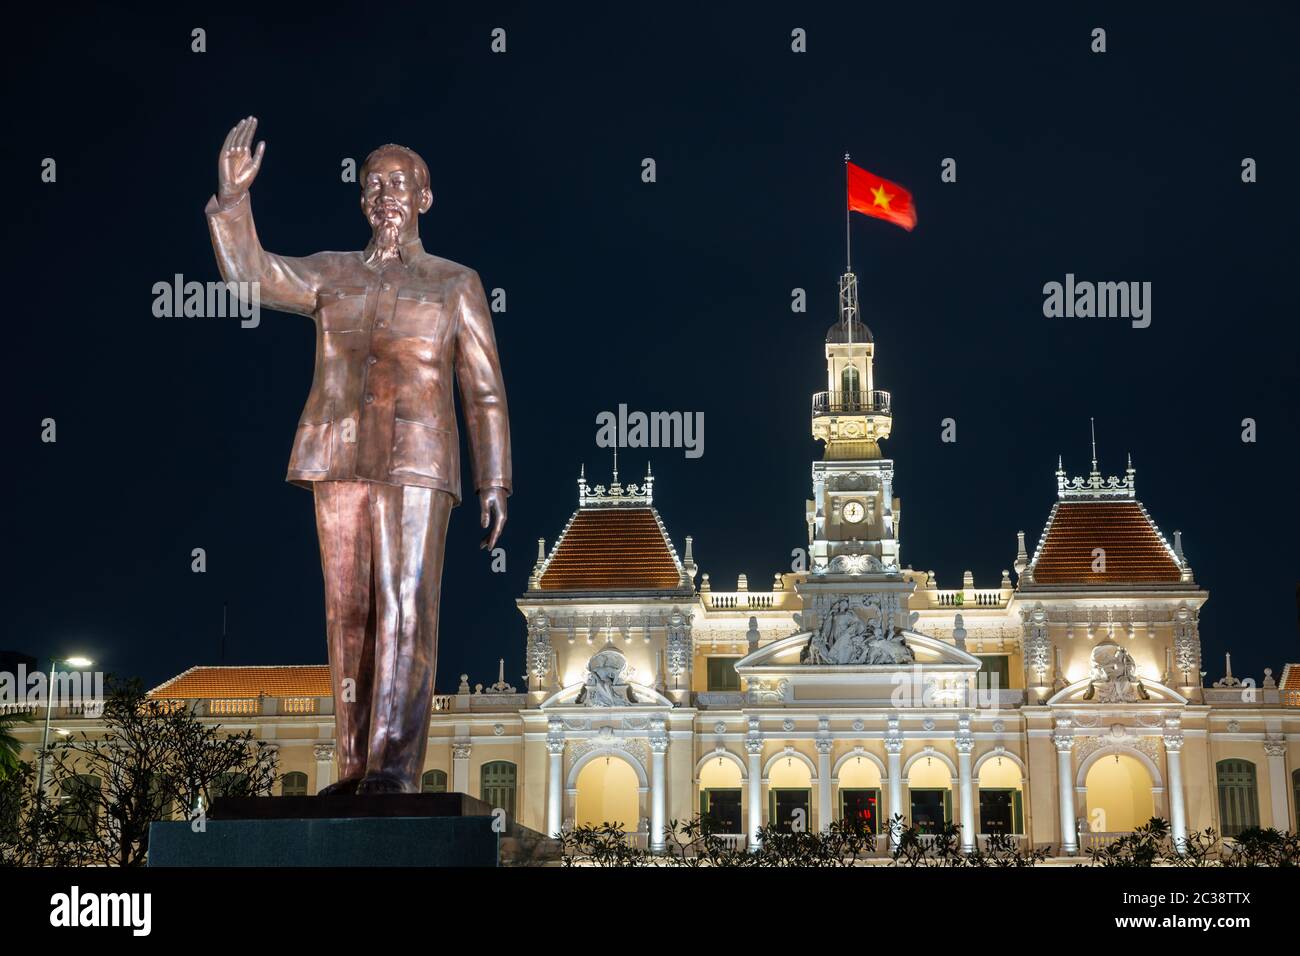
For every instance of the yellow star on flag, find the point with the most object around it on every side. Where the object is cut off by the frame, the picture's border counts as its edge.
(882, 197)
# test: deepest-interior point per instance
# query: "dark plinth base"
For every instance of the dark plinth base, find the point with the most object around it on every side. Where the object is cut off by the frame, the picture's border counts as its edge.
(402, 829)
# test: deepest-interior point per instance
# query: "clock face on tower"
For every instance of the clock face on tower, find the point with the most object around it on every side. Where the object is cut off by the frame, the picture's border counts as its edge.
(854, 512)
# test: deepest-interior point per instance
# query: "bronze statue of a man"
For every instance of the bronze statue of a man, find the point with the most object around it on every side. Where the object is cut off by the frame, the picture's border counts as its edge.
(377, 441)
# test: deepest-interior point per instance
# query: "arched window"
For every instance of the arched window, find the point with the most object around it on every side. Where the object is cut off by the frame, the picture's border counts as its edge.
(1238, 797)
(435, 781)
(850, 385)
(497, 785)
(294, 784)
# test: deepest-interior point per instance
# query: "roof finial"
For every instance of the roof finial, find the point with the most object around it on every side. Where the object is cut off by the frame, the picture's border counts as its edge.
(1092, 425)
(616, 464)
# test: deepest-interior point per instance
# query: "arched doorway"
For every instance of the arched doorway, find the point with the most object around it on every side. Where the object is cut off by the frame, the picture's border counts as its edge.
(929, 782)
(1001, 802)
(859, 793)
(608, 793)
(1119, 794)
(722, 795)
(789, 793)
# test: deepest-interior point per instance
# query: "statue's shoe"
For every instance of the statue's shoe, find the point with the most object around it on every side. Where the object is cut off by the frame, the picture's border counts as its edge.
(373, 783)
(344, 788)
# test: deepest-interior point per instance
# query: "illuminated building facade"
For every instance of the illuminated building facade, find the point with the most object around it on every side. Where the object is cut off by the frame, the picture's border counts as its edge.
(1065, 704)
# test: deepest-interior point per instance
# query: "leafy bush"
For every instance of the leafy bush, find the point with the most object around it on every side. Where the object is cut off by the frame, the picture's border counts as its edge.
(1150, 844)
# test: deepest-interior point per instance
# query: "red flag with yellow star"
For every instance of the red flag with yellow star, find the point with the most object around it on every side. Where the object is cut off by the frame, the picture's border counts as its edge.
(873, 196)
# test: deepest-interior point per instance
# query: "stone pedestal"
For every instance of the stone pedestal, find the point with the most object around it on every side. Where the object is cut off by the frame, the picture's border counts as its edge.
(406, 829)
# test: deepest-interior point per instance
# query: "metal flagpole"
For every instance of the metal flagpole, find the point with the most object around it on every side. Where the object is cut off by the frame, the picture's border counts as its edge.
(848, 249)
(846, 284)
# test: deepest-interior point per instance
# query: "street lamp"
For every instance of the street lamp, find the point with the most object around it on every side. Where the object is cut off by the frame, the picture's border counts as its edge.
(77, 662)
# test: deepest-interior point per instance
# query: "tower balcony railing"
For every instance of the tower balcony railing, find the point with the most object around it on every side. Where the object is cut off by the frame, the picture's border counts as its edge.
(850, 403)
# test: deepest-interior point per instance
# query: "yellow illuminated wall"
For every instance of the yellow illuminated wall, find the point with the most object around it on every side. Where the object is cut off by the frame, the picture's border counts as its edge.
(859, 773)
(789, 772)
(1007, 775)
(1119, 794)
(929, 772)
(607, 793)
(719, 774)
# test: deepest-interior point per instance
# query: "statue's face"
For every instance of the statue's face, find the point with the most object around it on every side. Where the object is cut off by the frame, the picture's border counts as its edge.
(390, 194)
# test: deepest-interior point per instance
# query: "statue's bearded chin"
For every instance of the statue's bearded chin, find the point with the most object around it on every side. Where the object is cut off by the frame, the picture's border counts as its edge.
(386, 230)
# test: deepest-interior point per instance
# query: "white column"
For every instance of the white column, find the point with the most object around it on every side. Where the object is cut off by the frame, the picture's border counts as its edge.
(754, 744)
(1275, 748)
(824, 785)
(965, 744)
(1177, 809)
(460, 767)
(1065, 785)
(554, 777)
(658, 783)
(894, 751)
(324, 754)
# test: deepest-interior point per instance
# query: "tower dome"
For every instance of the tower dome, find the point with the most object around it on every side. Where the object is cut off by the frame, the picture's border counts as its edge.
(838, 334)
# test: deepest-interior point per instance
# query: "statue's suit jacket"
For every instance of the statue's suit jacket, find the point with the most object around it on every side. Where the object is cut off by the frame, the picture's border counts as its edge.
(388, 344)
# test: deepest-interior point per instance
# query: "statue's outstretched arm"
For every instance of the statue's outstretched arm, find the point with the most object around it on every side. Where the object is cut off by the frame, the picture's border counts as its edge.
(287, 284)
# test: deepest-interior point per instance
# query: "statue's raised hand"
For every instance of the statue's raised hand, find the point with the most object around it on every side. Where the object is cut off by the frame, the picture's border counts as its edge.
(237, 165)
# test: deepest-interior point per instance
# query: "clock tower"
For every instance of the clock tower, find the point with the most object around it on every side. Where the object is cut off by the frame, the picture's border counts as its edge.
(853, 515)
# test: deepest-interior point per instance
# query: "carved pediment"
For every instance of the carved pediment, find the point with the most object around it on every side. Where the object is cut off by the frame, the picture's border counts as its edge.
(1077, 694)
(860, 630)
(787, 657)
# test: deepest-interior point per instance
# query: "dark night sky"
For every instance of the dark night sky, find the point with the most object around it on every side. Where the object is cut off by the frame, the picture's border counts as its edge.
(175, 433)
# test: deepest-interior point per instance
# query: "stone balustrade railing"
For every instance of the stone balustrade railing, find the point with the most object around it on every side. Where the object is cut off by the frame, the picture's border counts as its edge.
(967, 597)
(749, 600)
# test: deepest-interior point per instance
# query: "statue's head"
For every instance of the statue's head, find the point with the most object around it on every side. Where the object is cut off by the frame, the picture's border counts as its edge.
(1108, 662)
(394, 191)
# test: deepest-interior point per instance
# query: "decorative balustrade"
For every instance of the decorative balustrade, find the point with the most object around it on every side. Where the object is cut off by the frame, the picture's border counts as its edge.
(88, 708)
(1017, 839)
(981, 597)
(1096, 839)
(748, 600)
(733, 841)
(234, 707)
(850, 403)
(298, 705)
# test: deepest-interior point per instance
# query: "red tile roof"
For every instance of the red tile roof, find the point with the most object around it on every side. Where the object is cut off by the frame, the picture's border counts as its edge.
(1134, 551)
(612, 549)
(293, 680)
